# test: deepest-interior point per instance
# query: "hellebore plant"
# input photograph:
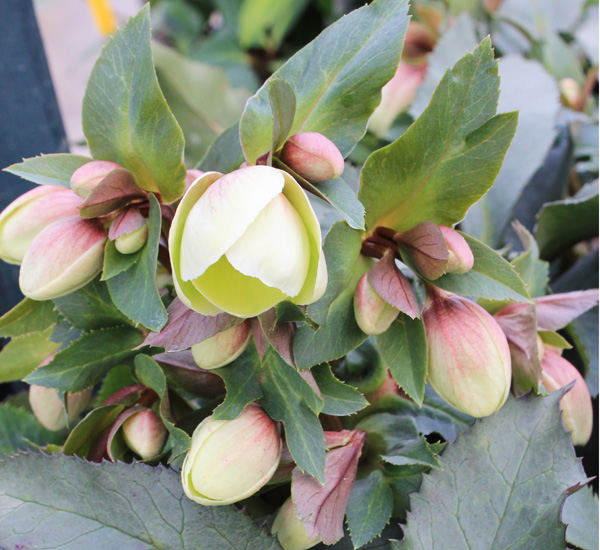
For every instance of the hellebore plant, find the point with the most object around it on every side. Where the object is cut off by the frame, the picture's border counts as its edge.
(336, 331)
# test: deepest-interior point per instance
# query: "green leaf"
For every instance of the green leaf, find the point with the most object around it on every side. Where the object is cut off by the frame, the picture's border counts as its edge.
(369, 508)
(115, 262)
(337, 84)
(200, 96)
(28, 316)
(580, 514)
(554, 339)
(339, 399)
(339, 332)
(403, 348)
(151, 375)
(564, 223)
(289, 399)
(448, 158)
(86, 361)
(283, 107)
(503, 483)
(20, 431)
(23, 354)
(134, 291)
(491, 277)
(264, 23)
(151, 511)
(132, 125)
(584, 332)
(49, 169)
(90, 308)
(241, 381)
(533, 271)
(225, 154)
(117, 378)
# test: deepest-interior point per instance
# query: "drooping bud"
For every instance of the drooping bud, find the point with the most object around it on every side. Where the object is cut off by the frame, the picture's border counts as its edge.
(26, 216)
(129, 230)
(469, 358)
(229, 460)
(63, 257)
(576, 404)
(460, 256)
(313, 156)
(49, 410)
(145, 433)
(570, 93)
(290, 530)
(373, 314)
(426, 246)
(222, 348)
(85, 178)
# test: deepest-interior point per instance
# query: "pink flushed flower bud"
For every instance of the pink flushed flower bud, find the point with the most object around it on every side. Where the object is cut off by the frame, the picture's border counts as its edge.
(145, 434)
(222, 348)
(48, 408)
(460, 256)
(373, 314)
(85, 178)
(230, 460)
(313, 156)
(191, 176)
(469, 358)
(129, 230)
(65, 256)
(290, 530)
(25, 217)
(576, 404)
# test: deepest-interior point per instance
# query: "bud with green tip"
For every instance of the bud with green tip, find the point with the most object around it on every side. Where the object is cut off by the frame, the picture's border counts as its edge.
(230, 460)
(48, 408)
(289, 529)
(312, 156)
(26, 216)
(145, 433)
(88, 176)
(373, 314)
(222, 348)
(129, 231)
(460, 256)
(62, 258)
(576, 404)
(469, 359)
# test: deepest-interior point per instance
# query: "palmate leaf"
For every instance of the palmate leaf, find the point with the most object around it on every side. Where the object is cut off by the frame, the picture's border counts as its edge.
(448, 158)
(116, 505)
(503, 484)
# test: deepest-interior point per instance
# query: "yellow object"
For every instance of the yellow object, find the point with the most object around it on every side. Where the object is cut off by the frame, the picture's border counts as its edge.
(104, 16)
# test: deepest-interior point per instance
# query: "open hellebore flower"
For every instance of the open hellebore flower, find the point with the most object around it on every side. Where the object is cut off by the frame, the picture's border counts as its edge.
(222, 348)
(373, 314)
(26, 216)
(290, 530)
(85, 178)
(145, 433)
(48, 408)
(313, 156)
(245, 241)
(460, 256)
(576, 404)
(63, 257)
(469, 358)
(229, 460)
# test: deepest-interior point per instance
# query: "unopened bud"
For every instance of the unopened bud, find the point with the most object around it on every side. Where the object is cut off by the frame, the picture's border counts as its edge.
(222, 348)
(129, 230)
(576, 404)
(460, 256)
(26, 216)
(191, 176)
(230, 460)
(290, 530)
(570, 93)
(85, 178)
(145, 433)
(373, 314)
(49, 410)
(469, 358)
(63, 257)
(426, 246)
(313, 156)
